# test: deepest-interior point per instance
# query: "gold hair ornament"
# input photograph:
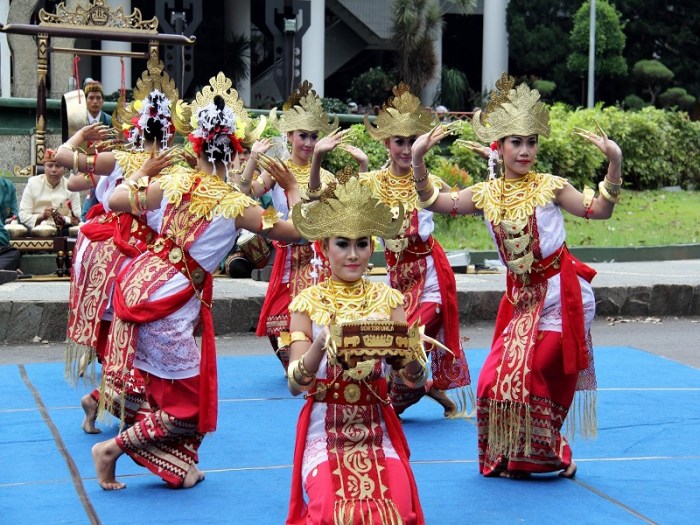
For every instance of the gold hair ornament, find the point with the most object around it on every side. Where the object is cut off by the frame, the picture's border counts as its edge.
(223, 86)
(511, 111)
(401, 116)
(153, 78)
(303, 110)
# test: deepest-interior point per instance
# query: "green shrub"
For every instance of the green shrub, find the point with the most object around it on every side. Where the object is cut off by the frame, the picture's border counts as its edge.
(334, 105)
(633, 102)
(372, 87)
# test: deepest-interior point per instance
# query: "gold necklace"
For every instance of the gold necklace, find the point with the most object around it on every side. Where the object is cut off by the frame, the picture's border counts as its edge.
(351, 298)
(301, 173)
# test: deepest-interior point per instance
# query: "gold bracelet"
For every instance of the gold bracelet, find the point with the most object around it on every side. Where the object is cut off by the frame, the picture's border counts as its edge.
(613, 199)
(314, 194)
(291, 377)
(75, 161)
(302, 369)
(421, 179)
(613, 188)
(430, 201)
(90, 163)
(67, 146)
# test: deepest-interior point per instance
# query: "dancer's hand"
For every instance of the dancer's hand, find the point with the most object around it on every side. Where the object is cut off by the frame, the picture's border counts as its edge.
(601, 141)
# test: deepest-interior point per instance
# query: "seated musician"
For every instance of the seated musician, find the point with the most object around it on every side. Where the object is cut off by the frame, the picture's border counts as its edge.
(47, 200)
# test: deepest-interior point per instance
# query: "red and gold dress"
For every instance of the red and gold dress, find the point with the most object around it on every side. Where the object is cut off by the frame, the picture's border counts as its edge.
(418, 267)
(541, 352)
(159, 300)
(351, 456)
(105, 243)
(292, 271)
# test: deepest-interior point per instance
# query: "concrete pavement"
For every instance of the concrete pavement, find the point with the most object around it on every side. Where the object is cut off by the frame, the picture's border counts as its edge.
(31, 310)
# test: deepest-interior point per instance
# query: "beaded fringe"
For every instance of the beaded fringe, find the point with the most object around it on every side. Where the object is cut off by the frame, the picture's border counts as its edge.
(366, 511)
(106, 405)
(582, 419)
(509, 420)
(465, 400)
(80, 362)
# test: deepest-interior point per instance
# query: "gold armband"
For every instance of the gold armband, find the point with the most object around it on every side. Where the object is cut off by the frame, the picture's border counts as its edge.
(588, 194)
(430, 201)
(287, 338)
(614, 199)
(67, 146)
(269, 218)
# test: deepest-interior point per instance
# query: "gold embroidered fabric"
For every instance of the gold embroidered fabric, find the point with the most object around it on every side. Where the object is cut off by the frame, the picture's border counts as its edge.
(343, 302)
(511, 111)
(131, 161)
(212, 196)
(393, 190)
(515, 200)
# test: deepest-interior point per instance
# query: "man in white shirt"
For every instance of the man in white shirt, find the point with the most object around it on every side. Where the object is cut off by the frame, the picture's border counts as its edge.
(95, 100)
(46, 199)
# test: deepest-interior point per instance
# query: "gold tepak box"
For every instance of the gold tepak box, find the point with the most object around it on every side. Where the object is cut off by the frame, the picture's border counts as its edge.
(374, 339)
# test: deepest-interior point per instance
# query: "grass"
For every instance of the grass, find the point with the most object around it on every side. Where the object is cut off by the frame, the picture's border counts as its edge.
(645, 218)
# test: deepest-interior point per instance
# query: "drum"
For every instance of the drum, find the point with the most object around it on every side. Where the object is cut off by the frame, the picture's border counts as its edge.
(73, 113)
(255, 248)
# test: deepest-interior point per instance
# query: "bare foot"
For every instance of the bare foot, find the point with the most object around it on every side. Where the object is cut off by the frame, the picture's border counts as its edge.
(569, 472)
(194, 476)
(514, 474)
(105, 455)
(90, 408)
(441, 397)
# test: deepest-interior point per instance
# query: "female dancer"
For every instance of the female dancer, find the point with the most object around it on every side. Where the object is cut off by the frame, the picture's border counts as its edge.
(351, 456)
(416, 263)
(166, 291)
(303, 120)
(108, 240)
(541, 352)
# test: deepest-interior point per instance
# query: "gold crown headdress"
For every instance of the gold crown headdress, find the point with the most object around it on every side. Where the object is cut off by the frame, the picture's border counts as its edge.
(401, 116)
(347, 209)
(247, 130)
(154, 78)
(511, 111)
(303, 110)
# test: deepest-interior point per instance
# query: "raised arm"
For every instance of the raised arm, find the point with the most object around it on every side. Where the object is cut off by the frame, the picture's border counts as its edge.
(439, 200)
(247, 182)
(583, 204)
(69, 156)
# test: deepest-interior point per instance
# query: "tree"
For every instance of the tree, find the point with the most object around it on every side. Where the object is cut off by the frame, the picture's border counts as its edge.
(676, 97)
(652, 75)
(668, 31)
(454, 89)
(415, 23)
(538, 41)
(609, 42)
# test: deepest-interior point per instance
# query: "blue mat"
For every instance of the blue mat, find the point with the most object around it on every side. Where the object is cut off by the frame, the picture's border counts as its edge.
(644, 467)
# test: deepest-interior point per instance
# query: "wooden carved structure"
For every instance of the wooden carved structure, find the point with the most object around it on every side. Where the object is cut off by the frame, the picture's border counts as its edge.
(94, 22)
